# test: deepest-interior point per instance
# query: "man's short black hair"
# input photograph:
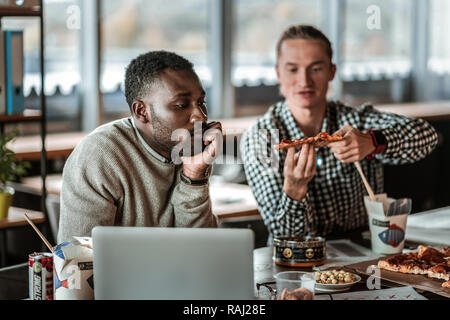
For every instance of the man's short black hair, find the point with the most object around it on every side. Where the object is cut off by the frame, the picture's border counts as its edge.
(143, 72)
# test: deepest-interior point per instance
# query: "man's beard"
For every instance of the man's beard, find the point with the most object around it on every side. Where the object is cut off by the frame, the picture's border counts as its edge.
(161, 134)
(192, 143)
(177, 142)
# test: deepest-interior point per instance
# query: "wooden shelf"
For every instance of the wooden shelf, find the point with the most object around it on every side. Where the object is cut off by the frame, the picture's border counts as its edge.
(8, 11)
(17, 118)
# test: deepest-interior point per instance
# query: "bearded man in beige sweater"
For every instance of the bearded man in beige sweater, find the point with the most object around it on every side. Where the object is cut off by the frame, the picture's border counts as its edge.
(124, 172)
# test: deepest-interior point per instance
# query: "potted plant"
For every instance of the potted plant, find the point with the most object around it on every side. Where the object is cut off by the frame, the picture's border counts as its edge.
(10, 170)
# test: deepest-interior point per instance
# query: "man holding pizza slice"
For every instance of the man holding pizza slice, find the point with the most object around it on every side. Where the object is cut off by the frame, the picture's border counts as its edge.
(318, 190)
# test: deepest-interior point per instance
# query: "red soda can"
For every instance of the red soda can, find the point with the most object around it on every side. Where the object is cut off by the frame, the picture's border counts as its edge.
(40, 272)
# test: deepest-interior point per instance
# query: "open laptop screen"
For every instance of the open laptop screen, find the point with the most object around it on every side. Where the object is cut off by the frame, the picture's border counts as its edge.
(173, 263)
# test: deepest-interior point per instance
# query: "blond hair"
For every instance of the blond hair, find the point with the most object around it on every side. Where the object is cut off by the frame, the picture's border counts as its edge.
(304, 32)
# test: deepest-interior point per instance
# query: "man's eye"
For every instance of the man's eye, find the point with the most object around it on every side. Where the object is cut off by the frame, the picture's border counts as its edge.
(293, 70)
(316, 69)
(182, 105)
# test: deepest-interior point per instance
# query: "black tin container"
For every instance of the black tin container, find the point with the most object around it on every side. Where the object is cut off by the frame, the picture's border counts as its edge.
(299, 252)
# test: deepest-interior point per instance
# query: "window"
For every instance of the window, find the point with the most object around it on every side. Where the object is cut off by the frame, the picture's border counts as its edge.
(61, 36)
(376, 50)
(133, 27)
(439, 56)
(376, 38)
(376, 30)
(258, 24)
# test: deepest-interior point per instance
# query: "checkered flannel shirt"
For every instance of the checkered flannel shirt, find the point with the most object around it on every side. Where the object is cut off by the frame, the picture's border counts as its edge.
(334, 203)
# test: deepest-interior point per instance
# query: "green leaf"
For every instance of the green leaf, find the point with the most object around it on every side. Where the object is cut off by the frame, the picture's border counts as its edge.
(10, 167)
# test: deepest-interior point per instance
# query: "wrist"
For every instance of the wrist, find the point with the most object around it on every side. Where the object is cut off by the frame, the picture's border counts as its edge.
(372, 143)
(297, 193)
(379, 142)
(195, 177)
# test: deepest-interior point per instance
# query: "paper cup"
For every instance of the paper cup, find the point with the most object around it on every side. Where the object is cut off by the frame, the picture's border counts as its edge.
(387, 232)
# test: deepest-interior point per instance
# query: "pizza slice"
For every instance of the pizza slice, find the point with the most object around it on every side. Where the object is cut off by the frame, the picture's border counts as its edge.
(320, 140)
(431, 255)
(427, 261)
(404, 263)
(446, 251)
(440, 271)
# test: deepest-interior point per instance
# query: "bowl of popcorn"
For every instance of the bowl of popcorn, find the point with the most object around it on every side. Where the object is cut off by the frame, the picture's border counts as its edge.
(335, 280)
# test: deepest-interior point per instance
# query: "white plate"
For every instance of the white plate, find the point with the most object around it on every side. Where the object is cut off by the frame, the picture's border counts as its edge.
(322, 287)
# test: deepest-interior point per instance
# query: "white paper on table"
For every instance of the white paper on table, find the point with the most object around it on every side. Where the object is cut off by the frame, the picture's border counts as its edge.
(401, 293)
(428, 235)
(430, 227)
(438, 218)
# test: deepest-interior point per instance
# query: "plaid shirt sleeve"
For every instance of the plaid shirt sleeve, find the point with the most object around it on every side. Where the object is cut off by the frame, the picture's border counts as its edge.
(282, 215)
(408, 140)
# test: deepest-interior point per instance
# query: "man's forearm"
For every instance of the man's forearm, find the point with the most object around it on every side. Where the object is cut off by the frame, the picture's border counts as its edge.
(192, 206)
(79, 216)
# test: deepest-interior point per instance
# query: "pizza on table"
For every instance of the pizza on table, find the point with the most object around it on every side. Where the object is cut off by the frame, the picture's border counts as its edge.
(426, 261)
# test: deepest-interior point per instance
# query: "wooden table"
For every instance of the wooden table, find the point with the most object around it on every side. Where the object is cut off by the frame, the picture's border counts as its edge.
(57, 145)
(53, 183)
(16, 278)
(229, 200)
(265, 269)
(16, 219)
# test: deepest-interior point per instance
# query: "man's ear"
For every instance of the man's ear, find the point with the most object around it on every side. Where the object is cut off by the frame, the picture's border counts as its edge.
(332, 71)
(140, 113)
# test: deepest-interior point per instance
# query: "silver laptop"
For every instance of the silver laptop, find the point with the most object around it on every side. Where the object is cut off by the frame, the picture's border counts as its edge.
(173, 263)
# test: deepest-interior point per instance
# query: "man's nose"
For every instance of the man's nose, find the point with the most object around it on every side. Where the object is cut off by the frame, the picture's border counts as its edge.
(303, 78)
(198, 114)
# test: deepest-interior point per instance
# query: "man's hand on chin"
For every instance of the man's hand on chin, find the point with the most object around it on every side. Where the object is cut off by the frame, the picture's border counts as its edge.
(198, 166)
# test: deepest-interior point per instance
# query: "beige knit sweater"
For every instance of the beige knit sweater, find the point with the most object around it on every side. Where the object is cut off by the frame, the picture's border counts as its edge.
(112, 178)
